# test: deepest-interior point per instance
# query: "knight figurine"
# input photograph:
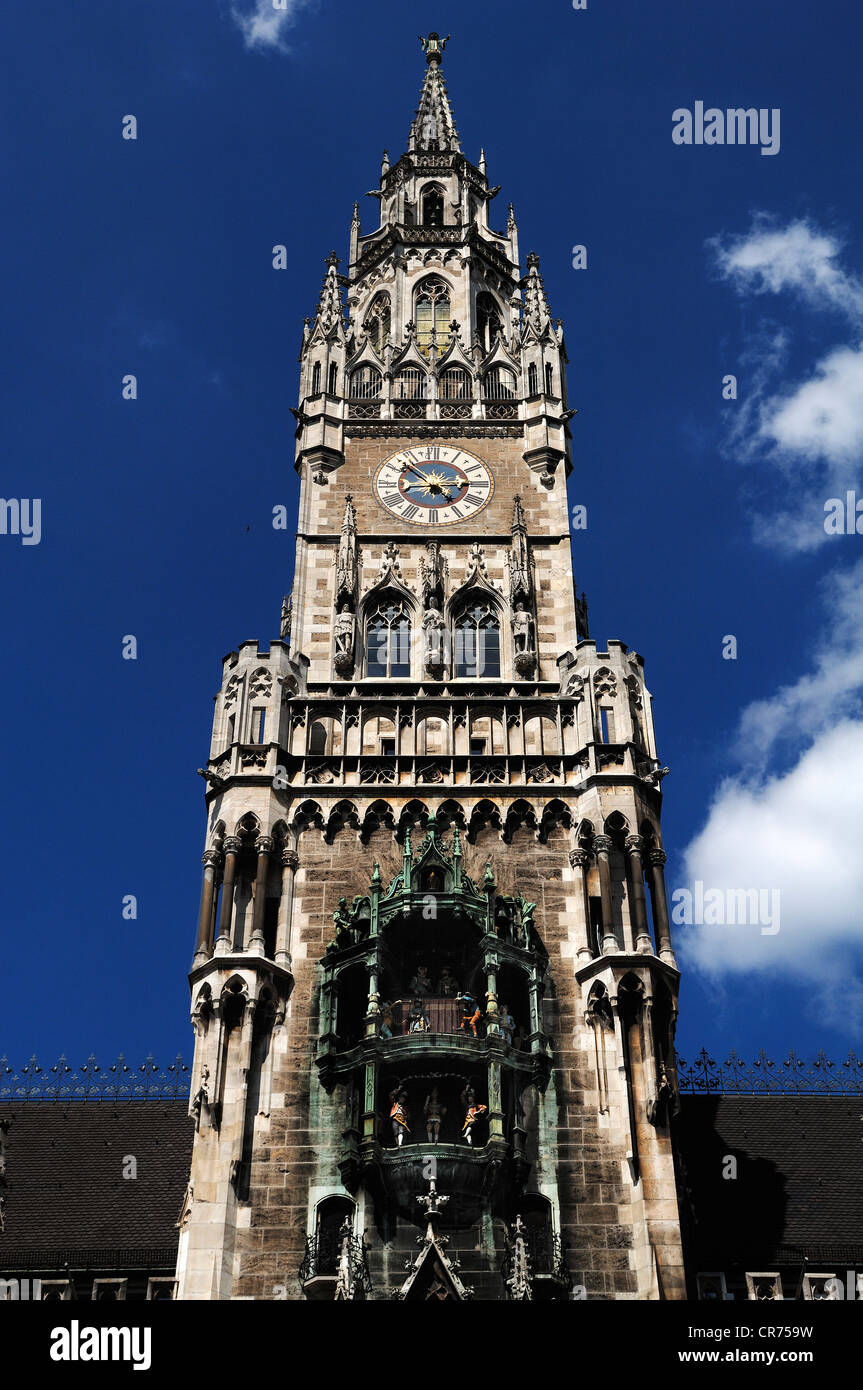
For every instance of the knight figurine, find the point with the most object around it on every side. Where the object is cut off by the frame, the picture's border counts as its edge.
(343, 633)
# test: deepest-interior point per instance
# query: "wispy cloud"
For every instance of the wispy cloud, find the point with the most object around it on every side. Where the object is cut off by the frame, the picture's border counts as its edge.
(799, 257)
(265, 24)
(798, 830)
(809, 431)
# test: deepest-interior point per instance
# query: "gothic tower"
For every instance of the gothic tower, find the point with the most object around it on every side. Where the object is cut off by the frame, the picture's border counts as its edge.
(434, 1003)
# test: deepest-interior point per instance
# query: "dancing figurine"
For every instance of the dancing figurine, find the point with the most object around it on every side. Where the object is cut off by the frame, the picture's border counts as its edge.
(473, 1113)
(399, 1114)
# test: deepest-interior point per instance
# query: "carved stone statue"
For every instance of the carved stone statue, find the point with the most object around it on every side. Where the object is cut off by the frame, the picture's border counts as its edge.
(343, 633)
(433, 629)
(201, 1102)
(434, 1112)
(522, 629)
(287, 614)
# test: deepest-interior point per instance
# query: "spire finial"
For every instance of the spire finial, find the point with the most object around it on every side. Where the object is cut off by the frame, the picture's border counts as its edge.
(433, 47)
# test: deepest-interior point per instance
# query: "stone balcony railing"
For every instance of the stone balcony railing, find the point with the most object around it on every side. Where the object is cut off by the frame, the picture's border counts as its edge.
(536, 771)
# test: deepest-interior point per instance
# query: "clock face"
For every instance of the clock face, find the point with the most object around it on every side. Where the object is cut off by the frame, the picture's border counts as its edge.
(433, 485)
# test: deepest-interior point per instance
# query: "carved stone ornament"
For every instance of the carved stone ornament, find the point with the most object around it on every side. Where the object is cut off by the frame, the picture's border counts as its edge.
(575, 686)
(604, 681)
(260, 684)
(231, 691)
(321, 774)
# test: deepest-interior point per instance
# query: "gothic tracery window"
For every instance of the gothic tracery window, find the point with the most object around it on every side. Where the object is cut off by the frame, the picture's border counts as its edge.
(499, 384)
(476, 645)
(455, 385)
(388, 640)
(432, 314)
(489, 324)
(377, 324)
(365, 384)
(409, 385)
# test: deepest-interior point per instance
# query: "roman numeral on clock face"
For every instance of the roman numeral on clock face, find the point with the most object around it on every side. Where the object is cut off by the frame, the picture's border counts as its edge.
(409, 513)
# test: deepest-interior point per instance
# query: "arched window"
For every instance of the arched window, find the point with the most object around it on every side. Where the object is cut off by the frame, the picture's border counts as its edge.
(316, 378)
(477, 643)
(489, 324)
(549, 379)
(365, 384)
(329, 1220)
(388, 639)
(409, 385)
(455, 385)
(377, 324)
(432, 314)
(433, 206)
(333, 377)
(532, 380)
(318, 738)
(499, 384)
(499, 394)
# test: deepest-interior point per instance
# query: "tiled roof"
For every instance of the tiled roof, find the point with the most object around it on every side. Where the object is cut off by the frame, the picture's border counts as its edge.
(64, 1174)
(797, 1191)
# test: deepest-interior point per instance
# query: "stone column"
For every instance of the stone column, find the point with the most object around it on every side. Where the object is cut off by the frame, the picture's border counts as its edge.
(660, 907)
(204, 949)
(640, 928)
(233, 845)
(373, 1011)
(290, 863)
(602, 844)
(495, 1106)
(263, 849)
(491, 996)
(535, 1012)
(579, 860)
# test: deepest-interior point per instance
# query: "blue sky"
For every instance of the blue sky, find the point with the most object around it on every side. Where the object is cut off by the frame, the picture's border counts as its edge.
(153, 257)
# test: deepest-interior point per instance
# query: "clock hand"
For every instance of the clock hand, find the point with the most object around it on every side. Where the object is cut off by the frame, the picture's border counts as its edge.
(444, 491)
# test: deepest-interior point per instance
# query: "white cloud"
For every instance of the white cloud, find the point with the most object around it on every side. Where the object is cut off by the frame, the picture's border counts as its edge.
(264, 26)
(799, 831)
(799, 257)
(823, 417)
(810, 431)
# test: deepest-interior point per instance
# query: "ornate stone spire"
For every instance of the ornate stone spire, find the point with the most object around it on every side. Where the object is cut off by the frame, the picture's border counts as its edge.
(330, 309)
(536, 310)
(518, 558)
(433, 126)
(346, 560)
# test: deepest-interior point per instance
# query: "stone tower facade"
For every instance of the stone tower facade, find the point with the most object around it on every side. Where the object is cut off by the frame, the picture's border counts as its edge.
(433, 991)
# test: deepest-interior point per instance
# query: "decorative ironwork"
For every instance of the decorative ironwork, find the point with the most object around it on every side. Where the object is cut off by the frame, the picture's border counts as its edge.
(762, 1077)
(322, 1256)
(91, 1082)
